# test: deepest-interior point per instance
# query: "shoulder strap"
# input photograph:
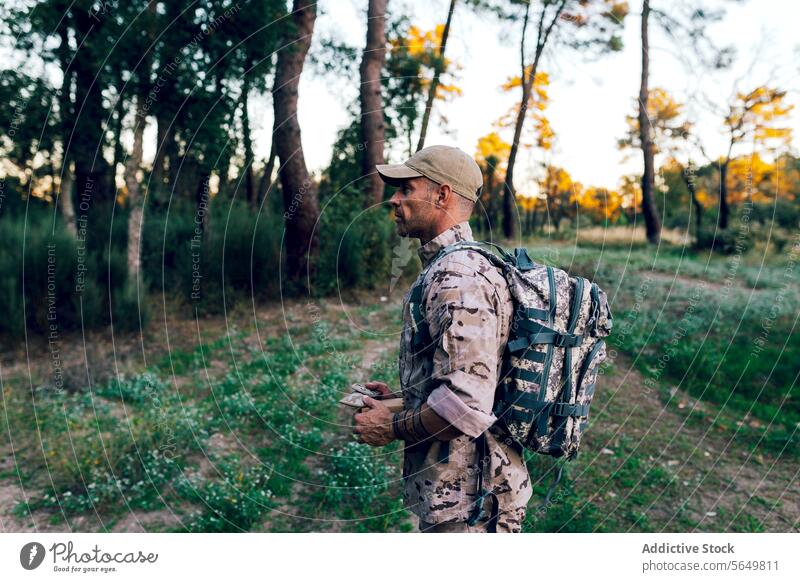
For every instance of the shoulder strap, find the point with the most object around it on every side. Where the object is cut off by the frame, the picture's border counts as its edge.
(421, 339)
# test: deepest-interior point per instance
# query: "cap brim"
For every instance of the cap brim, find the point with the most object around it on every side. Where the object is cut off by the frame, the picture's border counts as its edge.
(394, 174)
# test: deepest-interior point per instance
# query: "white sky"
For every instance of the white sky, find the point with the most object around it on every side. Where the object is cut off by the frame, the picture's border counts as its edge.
(588, 100)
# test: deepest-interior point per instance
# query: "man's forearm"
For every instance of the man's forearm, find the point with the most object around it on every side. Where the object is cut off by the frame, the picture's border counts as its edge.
(421, 424)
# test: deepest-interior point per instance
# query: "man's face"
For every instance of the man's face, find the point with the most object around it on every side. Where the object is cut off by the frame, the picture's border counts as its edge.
(413, 207)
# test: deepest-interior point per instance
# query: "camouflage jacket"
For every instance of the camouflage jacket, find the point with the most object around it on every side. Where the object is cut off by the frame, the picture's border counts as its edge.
(468, 308)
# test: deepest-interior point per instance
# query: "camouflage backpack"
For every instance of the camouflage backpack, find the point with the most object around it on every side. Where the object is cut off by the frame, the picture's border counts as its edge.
(554, 350)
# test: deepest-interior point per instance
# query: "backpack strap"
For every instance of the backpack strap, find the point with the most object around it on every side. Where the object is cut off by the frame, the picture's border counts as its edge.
(566, 394)
(421, 339)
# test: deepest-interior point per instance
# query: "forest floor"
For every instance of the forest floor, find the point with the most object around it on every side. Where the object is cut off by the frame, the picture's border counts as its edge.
(231, 423)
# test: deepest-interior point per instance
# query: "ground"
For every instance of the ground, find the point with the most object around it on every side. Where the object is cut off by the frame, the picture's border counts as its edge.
(230, 423)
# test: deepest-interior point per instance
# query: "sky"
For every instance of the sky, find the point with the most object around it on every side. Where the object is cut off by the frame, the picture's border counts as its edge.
(588, 99)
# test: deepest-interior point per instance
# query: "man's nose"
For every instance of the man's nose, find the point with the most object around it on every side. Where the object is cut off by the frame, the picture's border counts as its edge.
(393, 200)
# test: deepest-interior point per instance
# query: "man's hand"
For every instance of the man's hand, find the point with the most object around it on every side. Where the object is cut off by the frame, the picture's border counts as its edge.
(384, 389)
(374, 427)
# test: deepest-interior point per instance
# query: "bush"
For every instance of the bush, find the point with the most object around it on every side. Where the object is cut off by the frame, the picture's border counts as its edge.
(729, 241)
(356, 245)
(38, 267)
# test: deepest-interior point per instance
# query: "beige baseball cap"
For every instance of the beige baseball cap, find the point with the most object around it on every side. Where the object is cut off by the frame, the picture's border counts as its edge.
(443, 165)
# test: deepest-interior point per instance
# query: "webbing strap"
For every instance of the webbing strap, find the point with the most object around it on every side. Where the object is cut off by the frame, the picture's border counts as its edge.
(421, 338)
(594, 316)
(563, 408)
(546, 503)
(545, 336)
(444, 452)
(534, 313)
(527, 375)
(532, 356)
(481, 452)
(527, 400)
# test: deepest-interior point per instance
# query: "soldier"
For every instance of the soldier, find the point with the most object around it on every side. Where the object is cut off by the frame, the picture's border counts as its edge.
(453, 453)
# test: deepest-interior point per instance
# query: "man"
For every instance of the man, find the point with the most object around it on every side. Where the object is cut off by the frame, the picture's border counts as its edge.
(448, 389)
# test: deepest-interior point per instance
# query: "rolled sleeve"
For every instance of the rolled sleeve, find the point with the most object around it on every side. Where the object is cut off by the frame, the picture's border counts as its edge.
(463, 316)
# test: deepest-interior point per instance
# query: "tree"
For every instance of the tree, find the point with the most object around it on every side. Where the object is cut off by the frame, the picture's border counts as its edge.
(372, 124)
(423, 132)
(491, 156)
(594, 23)
(141, 88)
(257, 39)
(412, 54)
(666, 129)
(686, 24)
(301, 207)
(560, 194)
(652, 222)
(756, 114)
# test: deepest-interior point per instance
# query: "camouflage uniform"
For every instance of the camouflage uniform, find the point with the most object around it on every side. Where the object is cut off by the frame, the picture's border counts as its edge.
(468, 308)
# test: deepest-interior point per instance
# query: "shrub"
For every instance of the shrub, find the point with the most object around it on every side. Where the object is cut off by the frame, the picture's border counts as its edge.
(729, 241)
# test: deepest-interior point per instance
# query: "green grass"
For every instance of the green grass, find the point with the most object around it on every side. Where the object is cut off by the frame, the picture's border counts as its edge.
(233, 436)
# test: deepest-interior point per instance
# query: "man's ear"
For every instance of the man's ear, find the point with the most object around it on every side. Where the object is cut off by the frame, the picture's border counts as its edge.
(443, 196)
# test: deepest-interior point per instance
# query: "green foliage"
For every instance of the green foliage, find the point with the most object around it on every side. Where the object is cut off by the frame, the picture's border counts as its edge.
(356, 243)
(729, 241)
(237, 502)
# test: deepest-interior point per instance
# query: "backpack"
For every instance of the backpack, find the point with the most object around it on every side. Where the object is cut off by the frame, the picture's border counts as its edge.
(554, 350)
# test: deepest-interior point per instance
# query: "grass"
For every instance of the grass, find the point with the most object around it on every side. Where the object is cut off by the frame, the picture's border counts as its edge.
(243, 433)
(150, 440)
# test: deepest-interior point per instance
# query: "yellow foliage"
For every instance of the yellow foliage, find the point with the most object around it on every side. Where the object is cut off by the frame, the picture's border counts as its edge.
(756, 113)
(537, 103)
(706, 199)
(600, 202)
(751, 176)
(526, 203)
(424, 46)
(665, 119)
(492, 149)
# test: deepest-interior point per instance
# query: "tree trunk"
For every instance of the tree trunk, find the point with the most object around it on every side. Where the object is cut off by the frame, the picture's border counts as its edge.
(509, 222)
(266, 178)
(689, 180)
(163, 135)
(202, 196)
(65, 199)
(301, 207)
(491, 217)
(372, 125)
(134, 162)
(136, 216)
(435, 83)
(542, 34)
(652, 221)
(249, 180)
(92, 176)
(724, 209)
(65, 111)
(119, 113)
